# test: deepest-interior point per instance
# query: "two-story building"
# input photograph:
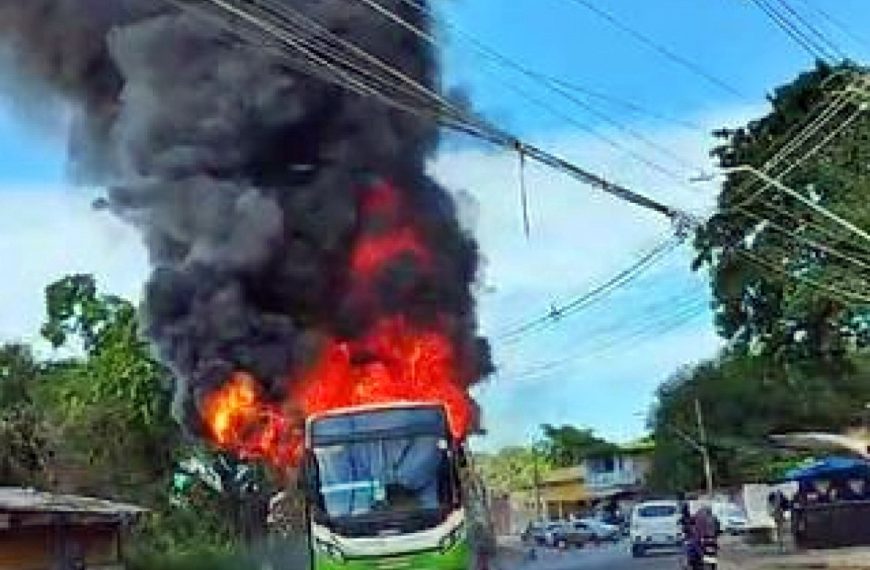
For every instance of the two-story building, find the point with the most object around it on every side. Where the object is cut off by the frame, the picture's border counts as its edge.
(561, 494)
(621, 473)
(617, 478)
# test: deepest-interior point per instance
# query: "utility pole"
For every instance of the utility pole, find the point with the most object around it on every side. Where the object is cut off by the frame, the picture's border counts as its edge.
(701, 446)
(704, 448)
(537, 476)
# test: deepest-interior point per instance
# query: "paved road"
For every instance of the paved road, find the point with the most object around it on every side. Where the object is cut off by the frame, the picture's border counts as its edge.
(612, 557)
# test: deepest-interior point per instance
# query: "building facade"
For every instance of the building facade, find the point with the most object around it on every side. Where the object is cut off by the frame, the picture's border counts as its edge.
(43, 531)
(623, 472)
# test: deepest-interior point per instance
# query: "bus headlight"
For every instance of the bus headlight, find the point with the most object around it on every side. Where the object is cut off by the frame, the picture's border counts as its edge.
(452, 538)
(329, 549)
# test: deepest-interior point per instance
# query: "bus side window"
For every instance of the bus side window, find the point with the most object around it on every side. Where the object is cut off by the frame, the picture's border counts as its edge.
(309, 481)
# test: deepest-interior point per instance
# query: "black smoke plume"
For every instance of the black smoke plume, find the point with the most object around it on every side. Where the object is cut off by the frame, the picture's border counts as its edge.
(244, 176)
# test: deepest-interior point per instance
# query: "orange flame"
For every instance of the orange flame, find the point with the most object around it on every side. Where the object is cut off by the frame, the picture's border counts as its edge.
(240, 421)
(394, 361)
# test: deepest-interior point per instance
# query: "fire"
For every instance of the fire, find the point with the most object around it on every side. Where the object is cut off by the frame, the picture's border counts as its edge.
(393, 361)
(240, 421)
(374, 253)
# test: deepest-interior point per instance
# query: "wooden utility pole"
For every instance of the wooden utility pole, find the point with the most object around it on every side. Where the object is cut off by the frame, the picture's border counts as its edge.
(537, 476)
(704, 448)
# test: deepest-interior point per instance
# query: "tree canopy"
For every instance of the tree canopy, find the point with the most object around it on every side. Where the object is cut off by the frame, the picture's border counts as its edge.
(567, 445)
(99, 422)
(786, 279)
(787, 285)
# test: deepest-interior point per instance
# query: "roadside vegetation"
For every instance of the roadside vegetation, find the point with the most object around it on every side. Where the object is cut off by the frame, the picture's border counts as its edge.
(797, 335)
(88, 411)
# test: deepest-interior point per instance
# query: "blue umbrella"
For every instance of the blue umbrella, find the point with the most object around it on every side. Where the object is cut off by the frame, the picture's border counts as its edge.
(830, 468)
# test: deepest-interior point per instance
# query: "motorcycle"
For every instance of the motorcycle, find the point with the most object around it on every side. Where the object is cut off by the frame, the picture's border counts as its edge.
(703, 556)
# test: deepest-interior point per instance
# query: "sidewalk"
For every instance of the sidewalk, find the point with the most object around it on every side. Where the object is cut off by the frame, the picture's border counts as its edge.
(737, 556)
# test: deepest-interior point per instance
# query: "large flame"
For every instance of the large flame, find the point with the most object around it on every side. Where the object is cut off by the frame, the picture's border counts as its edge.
(393, 361)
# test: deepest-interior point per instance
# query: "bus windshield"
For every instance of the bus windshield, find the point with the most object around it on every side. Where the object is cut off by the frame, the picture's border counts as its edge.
(384, 476)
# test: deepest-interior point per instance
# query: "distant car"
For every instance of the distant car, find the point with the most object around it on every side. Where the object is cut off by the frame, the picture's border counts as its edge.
(541, 533)
(601, 531)
(655, 525)
(532, 532)
(574, 533)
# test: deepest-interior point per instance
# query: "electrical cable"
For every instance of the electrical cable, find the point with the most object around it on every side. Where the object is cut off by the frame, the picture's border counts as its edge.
(494, 55)
(837, 23)
(835, 293)
(638, 333)
(864, 264)
(481, 130)
(664, 51)
(620, 279)
(796, 164)
(798, 36)
(829, 44)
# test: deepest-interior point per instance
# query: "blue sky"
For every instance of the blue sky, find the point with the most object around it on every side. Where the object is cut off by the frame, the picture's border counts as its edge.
(599, 368)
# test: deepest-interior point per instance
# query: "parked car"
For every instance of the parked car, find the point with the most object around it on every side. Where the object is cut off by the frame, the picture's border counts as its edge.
(601, 531)
(655, 525)
(574, 533)
(541, 533)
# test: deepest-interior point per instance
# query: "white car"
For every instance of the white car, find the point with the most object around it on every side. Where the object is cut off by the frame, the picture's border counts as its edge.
(655, 525)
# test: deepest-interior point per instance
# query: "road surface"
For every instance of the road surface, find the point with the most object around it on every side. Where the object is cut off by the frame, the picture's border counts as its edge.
(611, 557)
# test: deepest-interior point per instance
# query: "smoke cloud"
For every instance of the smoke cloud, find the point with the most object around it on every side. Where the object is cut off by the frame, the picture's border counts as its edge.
(245, 178)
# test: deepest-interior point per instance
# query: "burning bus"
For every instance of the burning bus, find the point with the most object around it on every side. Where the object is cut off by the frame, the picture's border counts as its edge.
(308, 273)
(383, 487)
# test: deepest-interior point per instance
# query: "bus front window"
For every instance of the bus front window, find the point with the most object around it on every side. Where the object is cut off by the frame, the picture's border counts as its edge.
(384, 476)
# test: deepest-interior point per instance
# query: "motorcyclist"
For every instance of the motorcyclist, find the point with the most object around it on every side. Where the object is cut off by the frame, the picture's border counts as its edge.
(702, 537)
(686, 523)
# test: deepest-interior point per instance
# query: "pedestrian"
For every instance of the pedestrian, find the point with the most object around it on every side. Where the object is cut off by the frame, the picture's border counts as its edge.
(777, 504)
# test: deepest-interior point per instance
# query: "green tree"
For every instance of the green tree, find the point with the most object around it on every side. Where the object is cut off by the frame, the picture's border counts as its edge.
(567, 445)
(774, 262)
(786, 284)
(512, 468)
(745, 399)
(111, 406)
(23, 447)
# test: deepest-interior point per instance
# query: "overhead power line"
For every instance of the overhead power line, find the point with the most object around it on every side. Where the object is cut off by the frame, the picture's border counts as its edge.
(780, 158)
(354, 68)
(827, 42)
(814, 244)
(800, 34)
(831, 291)
(572, 85)
(662, 50)
(621, 336)
(836, 23)
(576, 304)
(549, 83)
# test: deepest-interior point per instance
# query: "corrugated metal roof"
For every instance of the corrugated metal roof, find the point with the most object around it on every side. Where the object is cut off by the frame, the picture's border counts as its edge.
(17, 499)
